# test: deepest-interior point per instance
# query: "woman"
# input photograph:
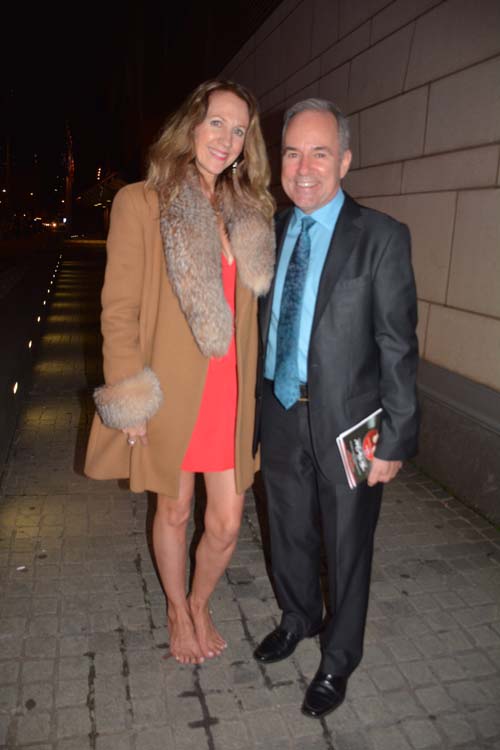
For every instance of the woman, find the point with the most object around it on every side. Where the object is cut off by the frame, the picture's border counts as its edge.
(189, 252)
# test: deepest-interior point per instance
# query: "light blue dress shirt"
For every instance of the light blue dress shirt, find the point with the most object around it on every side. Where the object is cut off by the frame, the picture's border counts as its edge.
(321, 234)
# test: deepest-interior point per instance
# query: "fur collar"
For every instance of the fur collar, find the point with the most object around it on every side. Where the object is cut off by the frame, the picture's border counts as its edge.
(192, 247)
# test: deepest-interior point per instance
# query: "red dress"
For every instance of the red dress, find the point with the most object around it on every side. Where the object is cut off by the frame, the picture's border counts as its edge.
(211, 447)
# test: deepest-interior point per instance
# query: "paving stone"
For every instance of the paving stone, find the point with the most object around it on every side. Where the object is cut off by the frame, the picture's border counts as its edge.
(252, 697)
(73, 668)
(266, 726)
(388, 738)
(361, 685)
(422, 733)
(72, 692)
(456, 728)
(37, 670)
(425, 602)
(375, 656)
(8, 697)
(73, 645)
(417, 673)
(40, 646)
(111, 716)
(223, 704)
(435, 699)
(109, 688)
(474, 596)
(350, 741)
(485, 635)
(414, 627)
(387, 678)
(487, 721)
(79, 743)
(476, 664)
(344, 719)
(72, 722)
(402, 703)
(478, 615)
(33, 727)
(230, 734)
(5, 723)
(10, 646)
(468, 693)
(149, 711)
(371, 710)
(44, 625)
(39, 696)
(299, 727)
(12, 607)
(402, 648)
(450, 600)
(10, 671)
(188, 738)
(492, 686)
(439, 621)
(152, 739)
(45, 605)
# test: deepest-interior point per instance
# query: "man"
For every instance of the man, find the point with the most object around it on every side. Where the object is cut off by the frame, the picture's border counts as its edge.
(338, 341)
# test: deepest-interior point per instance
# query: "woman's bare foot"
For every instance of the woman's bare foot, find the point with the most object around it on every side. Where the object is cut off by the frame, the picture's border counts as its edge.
(210, 640)
(184, 644)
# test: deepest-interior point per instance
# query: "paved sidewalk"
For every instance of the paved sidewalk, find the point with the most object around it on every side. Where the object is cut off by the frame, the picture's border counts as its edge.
(82, 635)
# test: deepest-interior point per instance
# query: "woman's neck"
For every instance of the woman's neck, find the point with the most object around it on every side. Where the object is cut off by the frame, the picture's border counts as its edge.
(208, 188)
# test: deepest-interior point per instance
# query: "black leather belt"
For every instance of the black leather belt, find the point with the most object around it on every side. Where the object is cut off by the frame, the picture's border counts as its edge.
(304, 391)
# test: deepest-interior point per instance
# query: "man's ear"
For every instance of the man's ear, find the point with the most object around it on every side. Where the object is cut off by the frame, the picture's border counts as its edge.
(345, 163)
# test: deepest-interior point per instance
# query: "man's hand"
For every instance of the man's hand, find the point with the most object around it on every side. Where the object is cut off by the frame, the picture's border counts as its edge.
(383, 471)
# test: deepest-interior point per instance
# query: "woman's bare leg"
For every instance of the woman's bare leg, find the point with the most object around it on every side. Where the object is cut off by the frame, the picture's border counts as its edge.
(222, 525)
(169, 542)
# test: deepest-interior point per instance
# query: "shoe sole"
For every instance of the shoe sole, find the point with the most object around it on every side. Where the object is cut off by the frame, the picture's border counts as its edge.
(273, 661)
(324, 713)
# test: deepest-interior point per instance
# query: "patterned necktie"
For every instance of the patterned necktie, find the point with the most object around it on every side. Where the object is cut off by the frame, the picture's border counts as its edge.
(286, 376)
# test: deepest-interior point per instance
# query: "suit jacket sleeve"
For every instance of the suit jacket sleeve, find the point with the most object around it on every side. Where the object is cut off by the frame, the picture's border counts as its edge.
(122, 290)
(395, 320)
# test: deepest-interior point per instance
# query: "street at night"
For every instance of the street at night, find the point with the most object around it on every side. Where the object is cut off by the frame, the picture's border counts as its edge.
(83, 637)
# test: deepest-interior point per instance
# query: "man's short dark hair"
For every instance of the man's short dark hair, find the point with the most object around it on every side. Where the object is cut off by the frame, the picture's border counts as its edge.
(320, 105)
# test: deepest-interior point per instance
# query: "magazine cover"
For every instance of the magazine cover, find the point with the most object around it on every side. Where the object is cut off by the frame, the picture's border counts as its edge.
(357, 447)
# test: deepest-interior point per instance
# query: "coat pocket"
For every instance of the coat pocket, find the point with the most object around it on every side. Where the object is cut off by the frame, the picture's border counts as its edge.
(357, 283)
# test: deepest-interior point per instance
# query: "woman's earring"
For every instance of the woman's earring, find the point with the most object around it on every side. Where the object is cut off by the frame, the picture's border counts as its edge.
(234, 167)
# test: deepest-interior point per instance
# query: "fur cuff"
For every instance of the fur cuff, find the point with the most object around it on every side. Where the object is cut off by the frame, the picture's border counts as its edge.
(129, 402)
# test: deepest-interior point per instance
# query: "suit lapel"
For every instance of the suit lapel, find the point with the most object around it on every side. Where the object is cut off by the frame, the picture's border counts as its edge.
(344, 239)
(266, 304)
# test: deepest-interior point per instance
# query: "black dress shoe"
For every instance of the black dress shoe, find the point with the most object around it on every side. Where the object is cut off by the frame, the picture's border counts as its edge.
(325, 693)
(276, 646)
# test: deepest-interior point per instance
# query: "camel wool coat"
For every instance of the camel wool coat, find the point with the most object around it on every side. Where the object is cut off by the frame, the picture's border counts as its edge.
(153, 366)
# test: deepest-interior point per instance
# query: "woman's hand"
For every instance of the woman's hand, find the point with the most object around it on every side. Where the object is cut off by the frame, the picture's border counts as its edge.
(139, 432)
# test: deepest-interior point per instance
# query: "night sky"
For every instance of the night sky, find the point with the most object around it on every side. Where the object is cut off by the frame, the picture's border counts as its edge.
(83, 73)
(110, 73)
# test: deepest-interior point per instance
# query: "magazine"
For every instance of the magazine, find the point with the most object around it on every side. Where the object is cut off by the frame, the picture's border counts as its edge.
(357, 447)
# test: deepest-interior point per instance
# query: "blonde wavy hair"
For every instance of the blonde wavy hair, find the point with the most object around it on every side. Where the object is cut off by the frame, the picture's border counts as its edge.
(172, 154)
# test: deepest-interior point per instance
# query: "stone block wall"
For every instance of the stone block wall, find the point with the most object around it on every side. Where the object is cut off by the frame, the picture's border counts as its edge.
(420, 83)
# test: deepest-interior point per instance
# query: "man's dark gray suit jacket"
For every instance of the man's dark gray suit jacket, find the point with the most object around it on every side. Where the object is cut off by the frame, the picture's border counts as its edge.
(363, 350)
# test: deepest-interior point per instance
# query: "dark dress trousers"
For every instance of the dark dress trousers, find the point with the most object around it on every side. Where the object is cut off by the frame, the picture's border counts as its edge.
(363, 354)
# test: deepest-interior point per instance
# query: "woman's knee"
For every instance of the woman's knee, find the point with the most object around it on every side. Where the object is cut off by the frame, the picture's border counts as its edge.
(173, 512)
(223, 530)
